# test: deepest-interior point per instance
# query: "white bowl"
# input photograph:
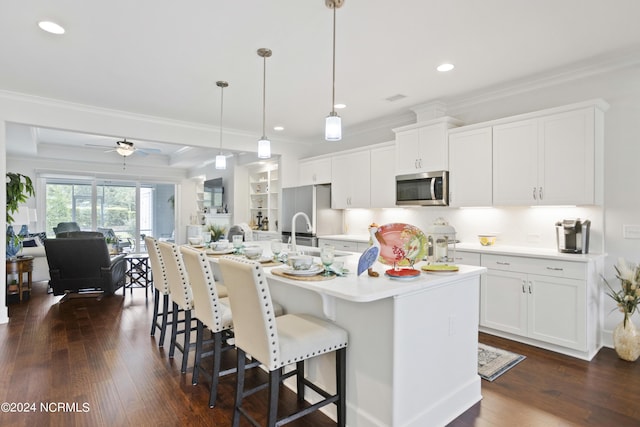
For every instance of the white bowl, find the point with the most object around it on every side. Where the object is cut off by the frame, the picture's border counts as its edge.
(300, 262)
(253, 252)
(219, 245)
(195, 241)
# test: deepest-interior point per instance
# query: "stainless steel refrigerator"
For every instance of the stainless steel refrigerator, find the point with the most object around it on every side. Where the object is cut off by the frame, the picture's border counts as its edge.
(315, 201)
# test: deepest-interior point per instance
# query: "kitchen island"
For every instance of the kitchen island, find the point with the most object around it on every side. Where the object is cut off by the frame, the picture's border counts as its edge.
(412, 355)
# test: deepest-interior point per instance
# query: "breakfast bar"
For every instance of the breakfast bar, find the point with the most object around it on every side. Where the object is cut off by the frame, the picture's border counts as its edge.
(412, 355)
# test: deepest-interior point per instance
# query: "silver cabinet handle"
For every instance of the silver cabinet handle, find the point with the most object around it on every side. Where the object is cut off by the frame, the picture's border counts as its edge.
(529, 286)
(555, 268)
(415, 163)
(523, 284)
(535, 195)
(502, 263)
(540, 193)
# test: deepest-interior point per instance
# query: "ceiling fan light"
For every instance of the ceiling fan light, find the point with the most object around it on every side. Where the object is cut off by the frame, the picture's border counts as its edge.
(264, 148)
(221, 161)
(333, 127)
(126, 152)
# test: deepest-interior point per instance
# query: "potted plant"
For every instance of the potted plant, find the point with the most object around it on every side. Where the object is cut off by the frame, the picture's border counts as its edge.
(626, 338)
(19, 189)
(216, 231)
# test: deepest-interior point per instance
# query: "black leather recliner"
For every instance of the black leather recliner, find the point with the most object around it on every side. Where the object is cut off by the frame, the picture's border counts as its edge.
(80, 261)
(66, 226)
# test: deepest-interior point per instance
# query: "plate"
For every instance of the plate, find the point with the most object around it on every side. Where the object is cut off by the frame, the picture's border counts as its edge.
(197, 246)
(222, 252)
(440, 268)
(403, 272)
(266, 260)
(316, 269)
(401, 244)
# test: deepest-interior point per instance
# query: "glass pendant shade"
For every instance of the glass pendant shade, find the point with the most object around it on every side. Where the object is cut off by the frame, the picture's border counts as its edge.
(124, 151)
(264, 148)
(333, 127)
(221, 161)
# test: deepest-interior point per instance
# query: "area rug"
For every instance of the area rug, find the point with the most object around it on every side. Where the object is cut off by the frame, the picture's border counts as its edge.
(493, 362)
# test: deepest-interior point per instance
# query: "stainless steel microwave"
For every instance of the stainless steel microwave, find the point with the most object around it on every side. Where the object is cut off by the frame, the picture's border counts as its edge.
(423, 189)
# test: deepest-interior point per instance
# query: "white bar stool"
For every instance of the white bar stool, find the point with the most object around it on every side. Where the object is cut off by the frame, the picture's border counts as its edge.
(182, 300)
(161, 287)
(277, 342)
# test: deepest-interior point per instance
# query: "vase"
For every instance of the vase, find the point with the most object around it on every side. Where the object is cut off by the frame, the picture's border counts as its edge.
(626, 340)
(14, 243)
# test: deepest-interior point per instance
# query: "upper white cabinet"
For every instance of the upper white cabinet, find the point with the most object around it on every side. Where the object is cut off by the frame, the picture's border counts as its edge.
(383, 180)
(351, 180)
(422, 147)
(314, 171)
(470, 173)
(552, 159)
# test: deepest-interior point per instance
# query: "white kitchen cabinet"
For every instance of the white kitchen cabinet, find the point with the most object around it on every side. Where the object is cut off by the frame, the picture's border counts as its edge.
(549, 160)
(470, 167)
(314, 171)
(542, 302)
(383, 177)
(423, 147)
(351, 180)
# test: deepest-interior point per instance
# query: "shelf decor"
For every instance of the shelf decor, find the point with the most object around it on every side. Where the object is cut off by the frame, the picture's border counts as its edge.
(626, 337)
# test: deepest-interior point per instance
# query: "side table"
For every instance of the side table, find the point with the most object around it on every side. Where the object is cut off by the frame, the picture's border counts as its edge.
(138, 272)
(19, 266)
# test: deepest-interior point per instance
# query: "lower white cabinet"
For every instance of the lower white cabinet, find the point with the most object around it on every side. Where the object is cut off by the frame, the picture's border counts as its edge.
(550, 303)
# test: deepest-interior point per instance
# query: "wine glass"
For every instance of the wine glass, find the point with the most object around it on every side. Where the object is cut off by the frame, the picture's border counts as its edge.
(327, 254)
(237, 242)
(276, 248)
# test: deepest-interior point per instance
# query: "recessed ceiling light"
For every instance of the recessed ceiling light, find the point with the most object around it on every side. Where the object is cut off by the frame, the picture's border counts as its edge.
(445, 67)
(339, 106)
(278, 128)
(50, 27)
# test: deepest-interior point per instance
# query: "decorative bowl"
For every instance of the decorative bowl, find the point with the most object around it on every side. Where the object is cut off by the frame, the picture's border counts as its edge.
(195, 241)
(300, 262)
(220, 245)
(487, 239)
(253, 252)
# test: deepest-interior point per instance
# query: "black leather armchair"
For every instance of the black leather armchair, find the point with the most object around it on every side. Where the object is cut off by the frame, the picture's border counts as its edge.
(80, 261)
(66, 226)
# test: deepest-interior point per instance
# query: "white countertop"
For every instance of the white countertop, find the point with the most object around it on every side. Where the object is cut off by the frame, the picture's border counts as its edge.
(360, 238)
(532, 252)
(364, 288)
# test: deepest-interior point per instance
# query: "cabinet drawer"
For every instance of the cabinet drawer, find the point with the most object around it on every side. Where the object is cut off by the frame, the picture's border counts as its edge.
(545, 267)
(467, 258)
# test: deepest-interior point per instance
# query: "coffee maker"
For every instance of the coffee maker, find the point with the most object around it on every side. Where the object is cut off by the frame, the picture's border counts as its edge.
(572, 236)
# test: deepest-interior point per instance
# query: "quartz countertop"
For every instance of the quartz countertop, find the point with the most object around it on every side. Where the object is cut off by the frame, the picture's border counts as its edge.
(533, 252)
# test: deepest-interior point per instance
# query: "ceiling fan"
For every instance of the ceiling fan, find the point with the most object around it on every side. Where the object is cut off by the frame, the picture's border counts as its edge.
(127, 148)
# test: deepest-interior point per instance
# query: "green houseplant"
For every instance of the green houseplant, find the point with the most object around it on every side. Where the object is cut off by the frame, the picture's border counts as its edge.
(216, 231)
(19, 189)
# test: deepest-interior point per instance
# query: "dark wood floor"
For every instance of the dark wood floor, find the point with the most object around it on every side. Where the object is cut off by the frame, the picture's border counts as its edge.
(97, 358)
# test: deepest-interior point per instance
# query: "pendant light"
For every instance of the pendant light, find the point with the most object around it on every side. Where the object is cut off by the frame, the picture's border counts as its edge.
(333, 123)
(221, 160)
(264, 145)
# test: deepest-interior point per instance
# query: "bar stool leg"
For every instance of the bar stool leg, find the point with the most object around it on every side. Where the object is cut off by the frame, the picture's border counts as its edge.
(300, 380)
(187, 340)
(274, 388)
(156, 303)
(165, 318)
(217, 355)
(341, 385)
(239, 386)
(198, 355)
(174, 330)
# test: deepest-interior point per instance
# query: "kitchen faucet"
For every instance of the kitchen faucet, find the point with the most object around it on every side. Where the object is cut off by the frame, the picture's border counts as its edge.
(293, 228)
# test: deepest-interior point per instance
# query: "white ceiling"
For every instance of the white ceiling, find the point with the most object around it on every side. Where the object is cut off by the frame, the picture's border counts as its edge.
(162, 57)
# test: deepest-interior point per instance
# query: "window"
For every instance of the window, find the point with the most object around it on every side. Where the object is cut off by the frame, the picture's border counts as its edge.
(131, 209)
